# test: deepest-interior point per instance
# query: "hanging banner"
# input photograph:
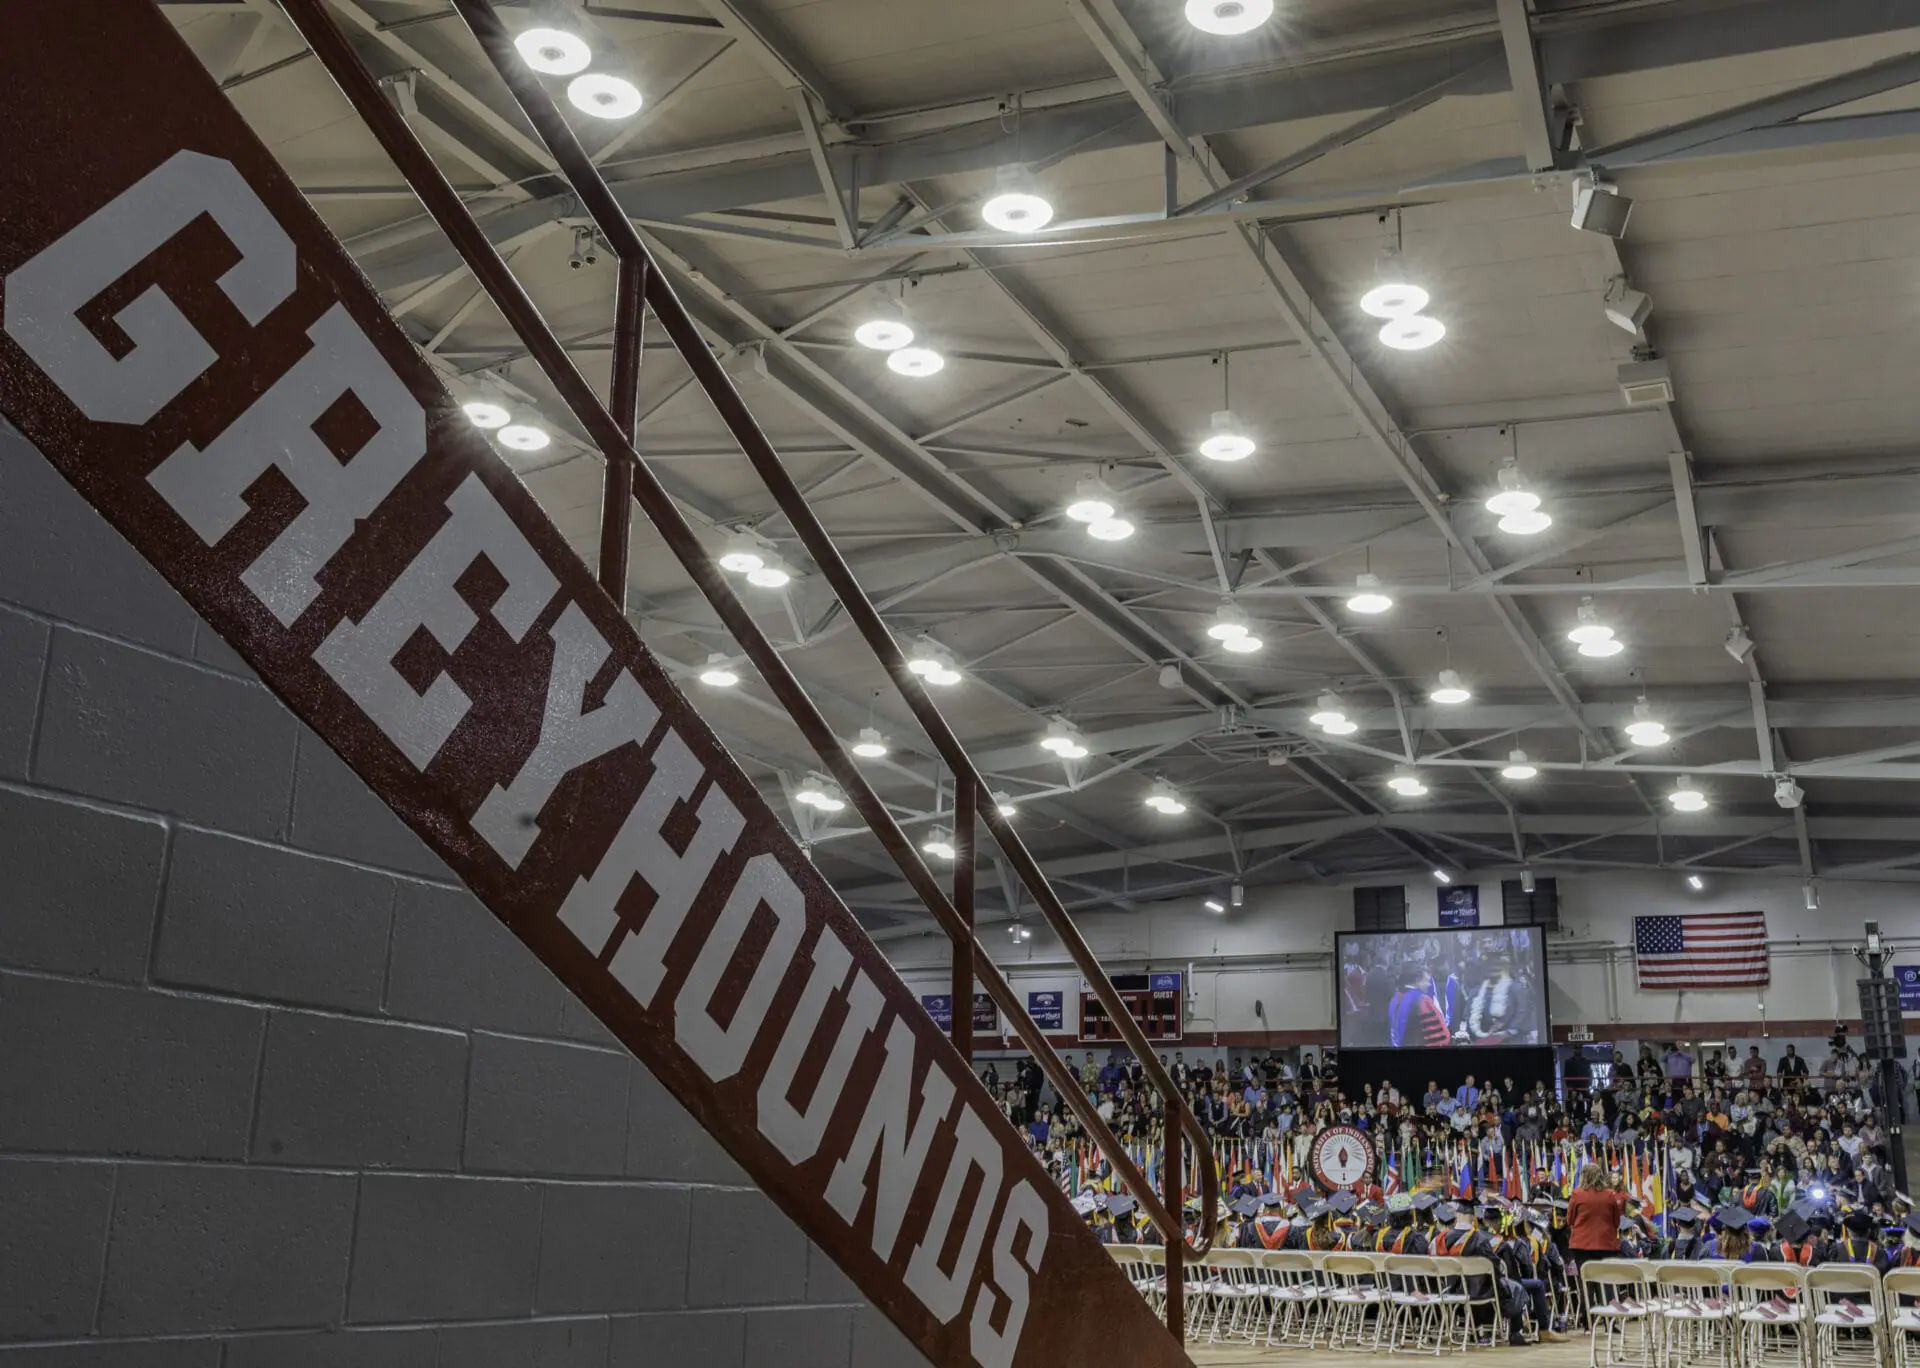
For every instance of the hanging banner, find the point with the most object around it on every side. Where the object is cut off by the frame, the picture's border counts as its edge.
(1908, 977)
(1048, 1010)
(1460, 906)
(186, 343)
(986, 1016)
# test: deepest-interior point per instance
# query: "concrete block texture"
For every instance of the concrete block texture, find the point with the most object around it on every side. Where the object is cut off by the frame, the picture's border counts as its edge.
(196, 1353)
(136, 728)
(454, 963)
(60, 558)
(52, 1234)
(410, 1348)
(337, 1093)
(199, 1247)
(83, 885)
(665, 1143)
(264, 922)
(744, 1252)
(878, 1343)
(799, 1337)
(335, 814)
(711, 1339)
(444, 1249)
(542, 1107)
(23, 659)
(90, 1069)
(613, 1248)
(572, 1343)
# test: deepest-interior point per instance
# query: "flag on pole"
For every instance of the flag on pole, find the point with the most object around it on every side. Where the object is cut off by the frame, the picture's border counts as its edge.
(1392, 1183)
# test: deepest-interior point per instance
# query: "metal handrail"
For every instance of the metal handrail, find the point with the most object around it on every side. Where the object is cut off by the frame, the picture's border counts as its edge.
(640, 280)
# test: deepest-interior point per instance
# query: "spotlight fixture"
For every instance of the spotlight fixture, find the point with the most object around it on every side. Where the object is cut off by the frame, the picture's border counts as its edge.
(605, 97)
(818, 792)
(1451, 689)
(1005, 805)
(1165, 799)
(885, 327)
(486, 416)
(1407, 784)
(1369, 596)
(1017, 205)
(1627, 308)
(743, 552)
(524, 437)
(1228, 17)
(717, 674)
(1810, 891)
(1739, 643)
(1092, 501)
(870, 744)
(1214, 905)
(770, 574)
(1592, 636)
(939, 844)
(1228, 623)
(1695, 882)
(1527, 881)
(1228, 441)
(1063, 739)
(1686, 798)
(1019, 934)
(1440, 876)
(1787, 793)
(1237, 894)
(1412, 332)
(586, 249)
(1600, 208)
(1518, 768)
(1646, 731)
(553, 52)
(916, 363)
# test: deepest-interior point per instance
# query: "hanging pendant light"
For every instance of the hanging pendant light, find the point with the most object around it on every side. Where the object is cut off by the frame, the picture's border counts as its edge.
(1165, 799)
(1393, 294)
(552, 51)
(1228, 440)
(1646, 731)
(1228, 623)
(939, 844)
(1518, 767)
(1591, 635)
(870, 744)
(1064, 740)
(1407, 783)
(1687, 798)
(1092, 502)
(1017, 205)
(717, 673)
(1369, 596)
(1451, 689)
(885, 327)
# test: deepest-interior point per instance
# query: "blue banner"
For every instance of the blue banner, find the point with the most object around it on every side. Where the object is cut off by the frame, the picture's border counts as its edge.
(1460, 906)
(1163, 983)
(986, 1017)
(1908, 977)
(1047, 1010)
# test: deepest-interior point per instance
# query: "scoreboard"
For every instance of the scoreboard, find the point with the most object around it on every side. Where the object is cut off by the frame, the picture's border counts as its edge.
(1155, 1001)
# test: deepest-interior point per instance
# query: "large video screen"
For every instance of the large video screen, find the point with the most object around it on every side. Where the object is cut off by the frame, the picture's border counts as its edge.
(1428, 990)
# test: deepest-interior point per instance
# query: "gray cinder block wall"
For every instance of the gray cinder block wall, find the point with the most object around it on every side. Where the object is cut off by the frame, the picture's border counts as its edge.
(275, 1092)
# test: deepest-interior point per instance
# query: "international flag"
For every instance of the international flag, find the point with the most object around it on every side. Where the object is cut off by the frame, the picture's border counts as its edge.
(1392, 1183)
(1701, 950)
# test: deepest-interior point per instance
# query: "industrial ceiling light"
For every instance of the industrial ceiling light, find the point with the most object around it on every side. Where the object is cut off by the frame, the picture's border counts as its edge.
(1331, 717)
(604, 96)
(717, 674)
(1228, 623)
(1116, 526)
(1592, 636)
(1369, 596)
(1739, 643)
(870, 744)
(1394, 299)
(1526, 524)
(1237, 894)
(1005, 805)
(743, 552)
(553, 52)
(1407, 784)
(1513, 495)
(1645, 730)
(916, 363)
(1229, 440)
(1451, 690)
(1166, 799)
(486, 416)
(939, 844)
(933, 663)
(770, 574)
(1064, 740)
(1092, 502)
(1243, 645)
(1440, 876)
(1810, 891)
(1527, 882)
(1686, 798)
(1695, 882)
(1214, 905)
(1344, 727)
(819, 792)
(1019, 934)
(524, 437)
(1228, 17)
(1518, 768)
(1412, 332)
(885, 327)
(1017, 205)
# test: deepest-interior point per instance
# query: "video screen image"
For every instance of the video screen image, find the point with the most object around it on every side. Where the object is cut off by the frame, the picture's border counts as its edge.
(1427, 990)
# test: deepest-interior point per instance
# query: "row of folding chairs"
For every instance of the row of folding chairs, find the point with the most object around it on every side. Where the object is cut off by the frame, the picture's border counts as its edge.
(1715, 1314)
(1374, 1303)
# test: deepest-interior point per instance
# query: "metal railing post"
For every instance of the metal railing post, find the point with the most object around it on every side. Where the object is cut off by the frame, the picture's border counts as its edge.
(1176, 1243)
(616, 495)
(965, 797)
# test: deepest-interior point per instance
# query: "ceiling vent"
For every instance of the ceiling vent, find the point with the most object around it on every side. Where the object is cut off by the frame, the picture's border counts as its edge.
(1645, 383)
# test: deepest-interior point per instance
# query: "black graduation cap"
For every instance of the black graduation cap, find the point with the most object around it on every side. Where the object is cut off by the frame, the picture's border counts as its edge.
(1273, 1199)
(1793, 1227)
(1686, 1216)
(1731, 1218)
(1245, 1207)
(1540, 1218)
(1857, 1222)
(1490, 1210)
(1445, 1211)
(1373, 1214)
(1423, 1201)
(1120, 1204)
(1311, 1209)
(1343, 1202)
(1912, 1223)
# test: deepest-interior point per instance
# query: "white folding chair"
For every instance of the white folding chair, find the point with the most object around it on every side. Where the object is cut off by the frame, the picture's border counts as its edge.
(1485, 1302)
(1770, 1305)
(1298, 1298)
(1903, 1318)
(1418, 1314)
(1695, 1315)
(1354, 1302)
(1620, 1313)
(1849, 1320)
(1232, 1291)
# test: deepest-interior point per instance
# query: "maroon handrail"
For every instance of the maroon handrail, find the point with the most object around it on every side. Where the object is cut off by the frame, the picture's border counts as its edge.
(641, 279)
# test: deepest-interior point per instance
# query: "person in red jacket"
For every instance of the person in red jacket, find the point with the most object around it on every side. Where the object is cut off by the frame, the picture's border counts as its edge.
(1413, 1017)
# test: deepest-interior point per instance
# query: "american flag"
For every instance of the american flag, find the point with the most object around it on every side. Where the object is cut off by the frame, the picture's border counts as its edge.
(1701, 950)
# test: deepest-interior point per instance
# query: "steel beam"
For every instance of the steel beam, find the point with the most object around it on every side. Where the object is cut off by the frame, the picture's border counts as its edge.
(1529, 94)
